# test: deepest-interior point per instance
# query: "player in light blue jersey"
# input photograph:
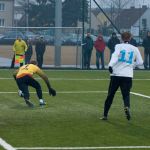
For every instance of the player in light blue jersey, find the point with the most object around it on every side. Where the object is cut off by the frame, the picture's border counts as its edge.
(121, 65)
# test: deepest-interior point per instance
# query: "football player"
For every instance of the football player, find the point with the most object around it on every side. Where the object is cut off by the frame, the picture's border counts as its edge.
(121, 65)
(24, 78)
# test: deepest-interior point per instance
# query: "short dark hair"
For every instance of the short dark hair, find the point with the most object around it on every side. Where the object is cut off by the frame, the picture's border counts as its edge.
(126, 36)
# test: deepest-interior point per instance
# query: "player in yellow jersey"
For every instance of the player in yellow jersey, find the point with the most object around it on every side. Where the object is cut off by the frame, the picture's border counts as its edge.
(24, 78)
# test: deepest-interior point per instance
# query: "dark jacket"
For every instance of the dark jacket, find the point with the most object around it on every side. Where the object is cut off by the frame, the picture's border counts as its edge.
(146, 44)
(112, 43)
(88, 43)
(29, 50)
(40, 47)
(133, 42)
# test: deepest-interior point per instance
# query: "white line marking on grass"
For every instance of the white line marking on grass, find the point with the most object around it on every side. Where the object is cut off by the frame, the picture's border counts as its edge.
(81, 92)
(141, 95)
(83, 148)
(65, 79)
(5, 145)
(63, 92)
(77, 79)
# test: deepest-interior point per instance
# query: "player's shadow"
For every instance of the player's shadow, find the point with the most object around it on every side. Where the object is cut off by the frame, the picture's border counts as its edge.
(22, 106)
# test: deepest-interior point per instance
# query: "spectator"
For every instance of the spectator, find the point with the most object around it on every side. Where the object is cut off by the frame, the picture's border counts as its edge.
(13, 62)
(133, 42)
(88, 47)
(40, 47)
(100, 47)
(112, 42)
(19, 48)
(146, 45)
(29, 52)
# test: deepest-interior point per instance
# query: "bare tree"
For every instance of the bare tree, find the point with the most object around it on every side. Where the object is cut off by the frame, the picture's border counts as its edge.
(116, 7)
(116, 3)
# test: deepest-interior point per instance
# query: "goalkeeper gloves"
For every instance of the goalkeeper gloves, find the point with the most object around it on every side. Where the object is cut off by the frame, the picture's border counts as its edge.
(110, 69)
(52, 92)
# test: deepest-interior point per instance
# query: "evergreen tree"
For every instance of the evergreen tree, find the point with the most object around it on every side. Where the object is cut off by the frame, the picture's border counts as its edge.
(72, 12)
(42, 13)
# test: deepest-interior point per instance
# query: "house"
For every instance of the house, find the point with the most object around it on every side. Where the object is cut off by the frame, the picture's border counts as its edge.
(134, 20)
(101, 18)
(6, 13)
(98, 20)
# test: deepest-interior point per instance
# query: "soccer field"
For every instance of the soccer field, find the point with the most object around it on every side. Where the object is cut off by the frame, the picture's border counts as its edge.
(71, 120)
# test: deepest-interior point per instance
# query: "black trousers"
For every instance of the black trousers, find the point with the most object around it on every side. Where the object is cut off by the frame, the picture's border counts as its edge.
(125, 84)
(87, 58)
(39, 58)
(28, 58)
(100, 55)
(146, 60)
(26, 81)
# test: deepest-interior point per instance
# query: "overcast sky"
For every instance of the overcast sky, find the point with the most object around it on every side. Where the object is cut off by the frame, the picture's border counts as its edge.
(135, 3)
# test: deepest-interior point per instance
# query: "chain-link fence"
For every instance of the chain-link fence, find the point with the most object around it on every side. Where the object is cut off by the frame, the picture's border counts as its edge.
(71, 46)
(70, 40)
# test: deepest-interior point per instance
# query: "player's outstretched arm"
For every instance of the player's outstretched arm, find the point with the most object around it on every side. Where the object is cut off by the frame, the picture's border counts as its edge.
(45, 78)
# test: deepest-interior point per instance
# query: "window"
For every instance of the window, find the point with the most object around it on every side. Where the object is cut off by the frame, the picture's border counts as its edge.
(144, 24)
(2, 22)
(2, 6)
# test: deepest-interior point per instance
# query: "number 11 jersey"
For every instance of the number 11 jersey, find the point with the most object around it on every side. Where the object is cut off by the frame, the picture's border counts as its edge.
(124, 59)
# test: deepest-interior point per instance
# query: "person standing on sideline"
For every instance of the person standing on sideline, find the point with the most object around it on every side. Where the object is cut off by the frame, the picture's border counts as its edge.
(87, 47)
(29, 52)
(112, 42)
(146, 45)
(133, 41)
(19, 48)
(24, 79)
(100, 47)
(40, 47)
(123, 60)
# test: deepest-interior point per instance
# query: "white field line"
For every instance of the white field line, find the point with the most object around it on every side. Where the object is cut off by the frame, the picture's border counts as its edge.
(82, 148)
(66, 79)
(82, 92)
(5, 145)
(63, 92)
(77, 79)
(141, 95)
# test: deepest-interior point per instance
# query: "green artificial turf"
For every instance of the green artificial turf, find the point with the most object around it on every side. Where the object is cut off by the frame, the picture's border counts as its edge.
(72, 119)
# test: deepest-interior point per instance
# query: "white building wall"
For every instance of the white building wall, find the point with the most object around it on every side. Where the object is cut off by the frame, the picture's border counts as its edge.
(8, 13)
(94, 22)
(146, 16)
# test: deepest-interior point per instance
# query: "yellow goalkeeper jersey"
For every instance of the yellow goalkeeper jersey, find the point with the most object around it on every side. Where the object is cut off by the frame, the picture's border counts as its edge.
(20, 47)
(30, 70)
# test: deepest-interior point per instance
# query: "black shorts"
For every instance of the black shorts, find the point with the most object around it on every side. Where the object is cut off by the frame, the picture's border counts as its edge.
(26, 81)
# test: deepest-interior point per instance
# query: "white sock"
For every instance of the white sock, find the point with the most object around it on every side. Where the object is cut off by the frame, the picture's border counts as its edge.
(41, 101)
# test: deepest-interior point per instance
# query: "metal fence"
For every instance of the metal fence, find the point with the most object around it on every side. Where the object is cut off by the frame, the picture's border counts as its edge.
(70, 40)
